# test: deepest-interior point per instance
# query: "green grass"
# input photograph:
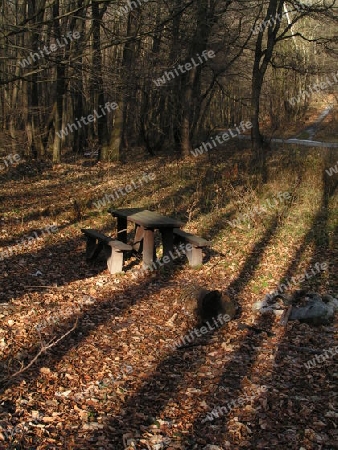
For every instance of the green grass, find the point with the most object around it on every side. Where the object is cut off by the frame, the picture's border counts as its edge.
(303, 135)
(205, 192)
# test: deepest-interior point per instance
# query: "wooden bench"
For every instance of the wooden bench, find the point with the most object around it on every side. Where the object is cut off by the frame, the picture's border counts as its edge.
(97, 241)
(195, 255)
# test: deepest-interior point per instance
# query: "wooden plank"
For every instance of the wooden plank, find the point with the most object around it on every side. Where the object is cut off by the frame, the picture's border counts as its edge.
(145, 218)
(124, 212)
(150, 219)
(118, 245)
(95, 234)
(192, 239)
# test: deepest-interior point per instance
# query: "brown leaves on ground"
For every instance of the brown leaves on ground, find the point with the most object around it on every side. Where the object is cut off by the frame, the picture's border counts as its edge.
(117, 381)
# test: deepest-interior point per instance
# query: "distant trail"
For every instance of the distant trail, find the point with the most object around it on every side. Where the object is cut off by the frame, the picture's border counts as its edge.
(311, 130)
(305, 142)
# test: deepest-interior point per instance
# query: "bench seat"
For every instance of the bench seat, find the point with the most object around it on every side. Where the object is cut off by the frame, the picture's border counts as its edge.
(97, 241)
(195, 255)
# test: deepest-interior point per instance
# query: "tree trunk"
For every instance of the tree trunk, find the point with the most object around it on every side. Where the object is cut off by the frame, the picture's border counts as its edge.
(191, 84)
(60, 91)
(187, 113)
(126, 100)
(99, 98)
(261, 63)
(111, 152)
(37, 148)
(76, 84)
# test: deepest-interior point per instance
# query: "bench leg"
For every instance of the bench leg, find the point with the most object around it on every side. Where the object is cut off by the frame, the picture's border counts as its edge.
(122, 229)
(195, 256)
(115, 261)
(168, 241)
(178, 240)
(92, 248)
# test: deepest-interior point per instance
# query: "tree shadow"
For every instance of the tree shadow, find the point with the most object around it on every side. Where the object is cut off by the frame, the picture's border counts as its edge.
(284, 369)
(170, 373)
(101, 313)
(242, 360)
(163, 385)
(165, 380)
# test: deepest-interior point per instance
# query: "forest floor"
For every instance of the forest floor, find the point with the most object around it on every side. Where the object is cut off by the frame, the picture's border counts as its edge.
(116, 380)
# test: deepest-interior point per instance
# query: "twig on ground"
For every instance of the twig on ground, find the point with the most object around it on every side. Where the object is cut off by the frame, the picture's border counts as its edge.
(41, 286)
(196, 344)
(44, 348)
(298, 348)
(285, 317)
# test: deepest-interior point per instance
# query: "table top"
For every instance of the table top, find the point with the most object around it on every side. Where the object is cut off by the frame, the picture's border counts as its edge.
(145, 218)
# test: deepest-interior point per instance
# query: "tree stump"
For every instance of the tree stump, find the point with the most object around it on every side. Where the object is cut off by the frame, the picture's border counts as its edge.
(207, 305)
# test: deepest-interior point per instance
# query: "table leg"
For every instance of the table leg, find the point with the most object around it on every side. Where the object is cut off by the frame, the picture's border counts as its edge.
(139, 236)
(122, 229)
(168, 241)
(149, 254)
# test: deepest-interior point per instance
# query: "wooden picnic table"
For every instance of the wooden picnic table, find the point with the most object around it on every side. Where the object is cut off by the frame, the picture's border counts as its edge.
(146, 222)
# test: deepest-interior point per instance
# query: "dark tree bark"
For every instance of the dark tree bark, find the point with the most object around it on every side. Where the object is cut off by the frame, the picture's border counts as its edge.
(97, 79)
(36, 11)
(191, 81)
(126, 103)
(60, 90)
(77, 83)
(262, 59)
